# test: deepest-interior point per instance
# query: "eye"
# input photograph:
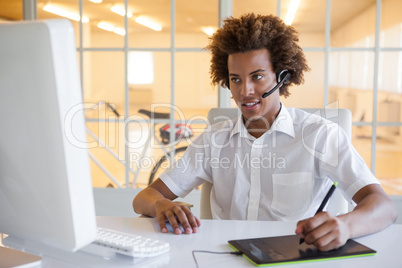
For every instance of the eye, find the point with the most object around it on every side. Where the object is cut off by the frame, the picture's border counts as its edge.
(235, 80)
(257, 76)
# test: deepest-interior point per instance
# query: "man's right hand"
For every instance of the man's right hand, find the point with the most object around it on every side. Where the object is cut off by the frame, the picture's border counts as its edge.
(156, 201)
(176, 214)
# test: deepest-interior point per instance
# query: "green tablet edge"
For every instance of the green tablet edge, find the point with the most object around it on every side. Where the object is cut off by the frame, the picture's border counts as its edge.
(306, 261)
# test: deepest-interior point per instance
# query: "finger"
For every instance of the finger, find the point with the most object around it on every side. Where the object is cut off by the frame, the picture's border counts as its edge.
(171, 217)
(162, 224)
(328, 242)
(325, 233)
(317, 235)
(313, 223)
(198, 224)
(336, 238)
(193, 221)
(184, 217)
(300, 227)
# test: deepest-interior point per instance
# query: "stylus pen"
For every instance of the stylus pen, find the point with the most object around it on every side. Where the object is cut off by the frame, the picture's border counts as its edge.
(324, 202)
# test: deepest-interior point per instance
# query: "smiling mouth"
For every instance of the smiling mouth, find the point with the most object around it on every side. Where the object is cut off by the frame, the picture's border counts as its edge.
(249, 105)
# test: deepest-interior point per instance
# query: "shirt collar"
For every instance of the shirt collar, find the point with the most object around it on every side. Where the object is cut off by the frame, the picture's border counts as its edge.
(283, 123)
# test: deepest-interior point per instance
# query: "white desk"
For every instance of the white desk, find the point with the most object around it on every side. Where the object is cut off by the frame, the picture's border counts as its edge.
(213, 235)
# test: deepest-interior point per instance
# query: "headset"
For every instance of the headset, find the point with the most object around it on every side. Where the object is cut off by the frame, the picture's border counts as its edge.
(282, 77)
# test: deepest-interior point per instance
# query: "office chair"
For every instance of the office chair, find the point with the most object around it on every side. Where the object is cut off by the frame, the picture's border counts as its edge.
(343, 117)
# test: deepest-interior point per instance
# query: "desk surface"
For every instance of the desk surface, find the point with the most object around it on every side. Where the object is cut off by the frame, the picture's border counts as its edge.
(213, 236)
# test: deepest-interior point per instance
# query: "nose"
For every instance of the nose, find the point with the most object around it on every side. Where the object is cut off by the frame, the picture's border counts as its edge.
(247, 88)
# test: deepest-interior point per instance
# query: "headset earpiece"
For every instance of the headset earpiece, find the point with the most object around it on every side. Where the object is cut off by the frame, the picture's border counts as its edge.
(283, 75)
(282, 78)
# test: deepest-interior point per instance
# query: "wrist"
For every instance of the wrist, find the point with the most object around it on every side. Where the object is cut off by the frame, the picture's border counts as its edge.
(347, 222)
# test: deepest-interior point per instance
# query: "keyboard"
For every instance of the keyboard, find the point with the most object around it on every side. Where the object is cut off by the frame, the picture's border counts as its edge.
(126, 244)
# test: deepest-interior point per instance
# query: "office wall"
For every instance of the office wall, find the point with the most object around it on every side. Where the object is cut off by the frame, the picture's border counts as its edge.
(104, 71)
(192, 84)
(104, 76)
(363, 24)
(359, 100)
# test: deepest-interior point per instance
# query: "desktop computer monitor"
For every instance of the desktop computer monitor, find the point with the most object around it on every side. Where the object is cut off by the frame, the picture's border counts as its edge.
(45, 185)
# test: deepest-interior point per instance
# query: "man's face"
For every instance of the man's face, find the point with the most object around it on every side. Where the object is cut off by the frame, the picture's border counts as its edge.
(251, 75)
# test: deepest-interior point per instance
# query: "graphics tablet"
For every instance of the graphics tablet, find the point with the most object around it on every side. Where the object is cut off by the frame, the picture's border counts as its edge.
(269, 251)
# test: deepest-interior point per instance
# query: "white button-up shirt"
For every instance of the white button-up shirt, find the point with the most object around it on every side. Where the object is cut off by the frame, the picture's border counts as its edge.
(282, 175)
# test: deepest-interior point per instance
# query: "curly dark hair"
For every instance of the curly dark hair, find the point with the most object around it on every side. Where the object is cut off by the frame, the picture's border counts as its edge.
(252, 32)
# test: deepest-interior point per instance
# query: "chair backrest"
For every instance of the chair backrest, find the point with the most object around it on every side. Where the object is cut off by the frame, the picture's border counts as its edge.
(343, 117)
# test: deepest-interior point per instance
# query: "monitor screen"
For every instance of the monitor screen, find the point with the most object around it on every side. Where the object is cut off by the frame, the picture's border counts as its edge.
(45, 185)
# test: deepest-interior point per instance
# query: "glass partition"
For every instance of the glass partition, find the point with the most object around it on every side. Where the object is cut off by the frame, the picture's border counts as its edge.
(355, 57)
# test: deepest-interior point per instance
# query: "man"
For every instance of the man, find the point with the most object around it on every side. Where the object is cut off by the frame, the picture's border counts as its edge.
(258, 163)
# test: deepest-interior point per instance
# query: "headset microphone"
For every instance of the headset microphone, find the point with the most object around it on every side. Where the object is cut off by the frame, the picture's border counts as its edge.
(282, 78)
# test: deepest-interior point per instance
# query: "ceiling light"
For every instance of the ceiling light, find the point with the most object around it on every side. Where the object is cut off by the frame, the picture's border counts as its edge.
(121, 11)
(119, 31)
(294, 4)
(106, 26)
(148, 23)
(209, 30)
(96, 1)
(64, 13)
(111, 28)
